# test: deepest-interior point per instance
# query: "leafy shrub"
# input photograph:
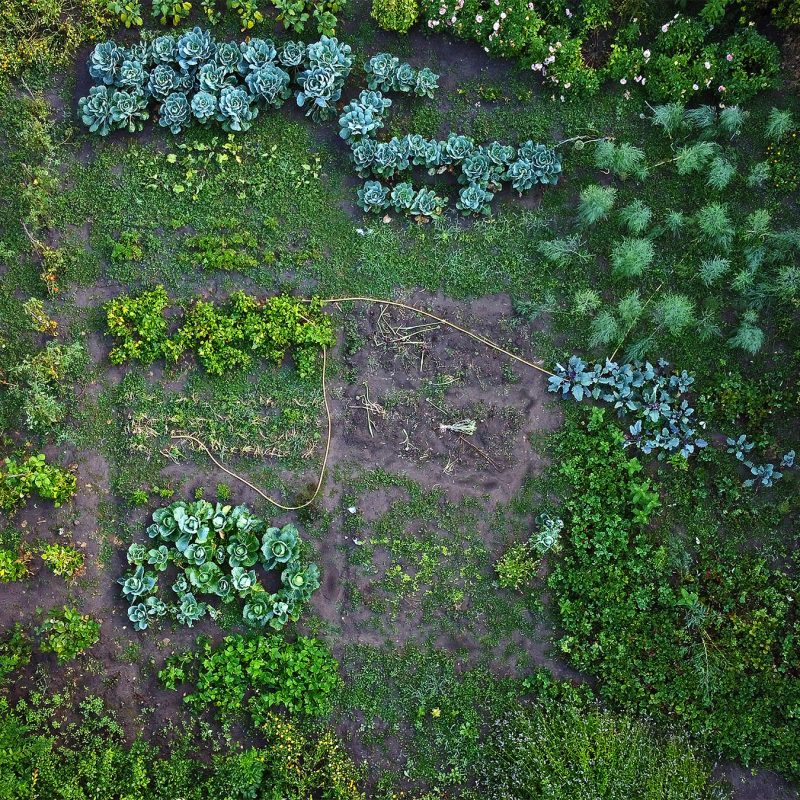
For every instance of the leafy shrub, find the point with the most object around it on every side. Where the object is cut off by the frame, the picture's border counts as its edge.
(68, 633)
(554, 752)
(518, 565)
(15, 651)
(214, 549)
(44, 34)
(63, 560)
(139, 325)
(39, 383)
(630, 258)
(21, 476)
(395, 15)
(260, 673)
(13, 564)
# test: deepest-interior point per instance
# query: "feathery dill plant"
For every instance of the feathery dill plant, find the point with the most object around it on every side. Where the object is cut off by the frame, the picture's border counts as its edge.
(631, 257)
(635, 216)
(748, 336)
(595, 204)
(673, 312)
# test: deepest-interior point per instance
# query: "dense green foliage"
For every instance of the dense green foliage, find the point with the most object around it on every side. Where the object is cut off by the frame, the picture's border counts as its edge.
(705, 635)
(225, 337)
(560, 752)
(257, 673)
(22, 475)
(88, 758)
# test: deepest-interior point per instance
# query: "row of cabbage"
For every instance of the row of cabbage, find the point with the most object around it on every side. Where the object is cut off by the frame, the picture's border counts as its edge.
(193, 79)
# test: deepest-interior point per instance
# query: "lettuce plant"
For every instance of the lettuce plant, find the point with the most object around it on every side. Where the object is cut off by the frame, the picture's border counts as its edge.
(236, 110)
(373, 196)
(95, 110)
(380, 71)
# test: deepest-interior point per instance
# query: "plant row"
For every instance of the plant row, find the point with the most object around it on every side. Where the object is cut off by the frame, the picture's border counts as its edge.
(214, 550)
(192, 79)
(294, 14)
(224, 337)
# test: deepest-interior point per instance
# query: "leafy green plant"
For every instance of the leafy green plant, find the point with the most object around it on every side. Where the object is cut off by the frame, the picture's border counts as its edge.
(67, 633)
(596, 203)
(15, 651)
(139, 325)
(395, 15)
(63, 560)
(14, 564)
(21, 476)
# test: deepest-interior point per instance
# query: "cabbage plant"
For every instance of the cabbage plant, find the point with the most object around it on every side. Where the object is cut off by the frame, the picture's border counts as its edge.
(227, 55)
(426, 83)
(279, 546)
(402, 197)
(292, 54)
(137, 583)
(164, 50)
(427, 205)
(129, 110)
(163, 81)
(236, 109)
(328, 53)
(212, 77)
(95, 110)
(195, 48)
(131, 75)
(362, 152)
(320, 90)
(380, 71)
(105, 62)
(357, 123)
(373, 196)
(404, 78)
(204, 107)
(255, 54)
(474, 199)
(269, 84)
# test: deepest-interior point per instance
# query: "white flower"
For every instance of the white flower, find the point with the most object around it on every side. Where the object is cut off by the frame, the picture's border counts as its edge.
(496, 26)
(729, 57)
(695, 86)
(623, 81)
(567, 85)
(478, 18)
(503, 15)
(707, 65)
(664, 28)
(647, 54)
